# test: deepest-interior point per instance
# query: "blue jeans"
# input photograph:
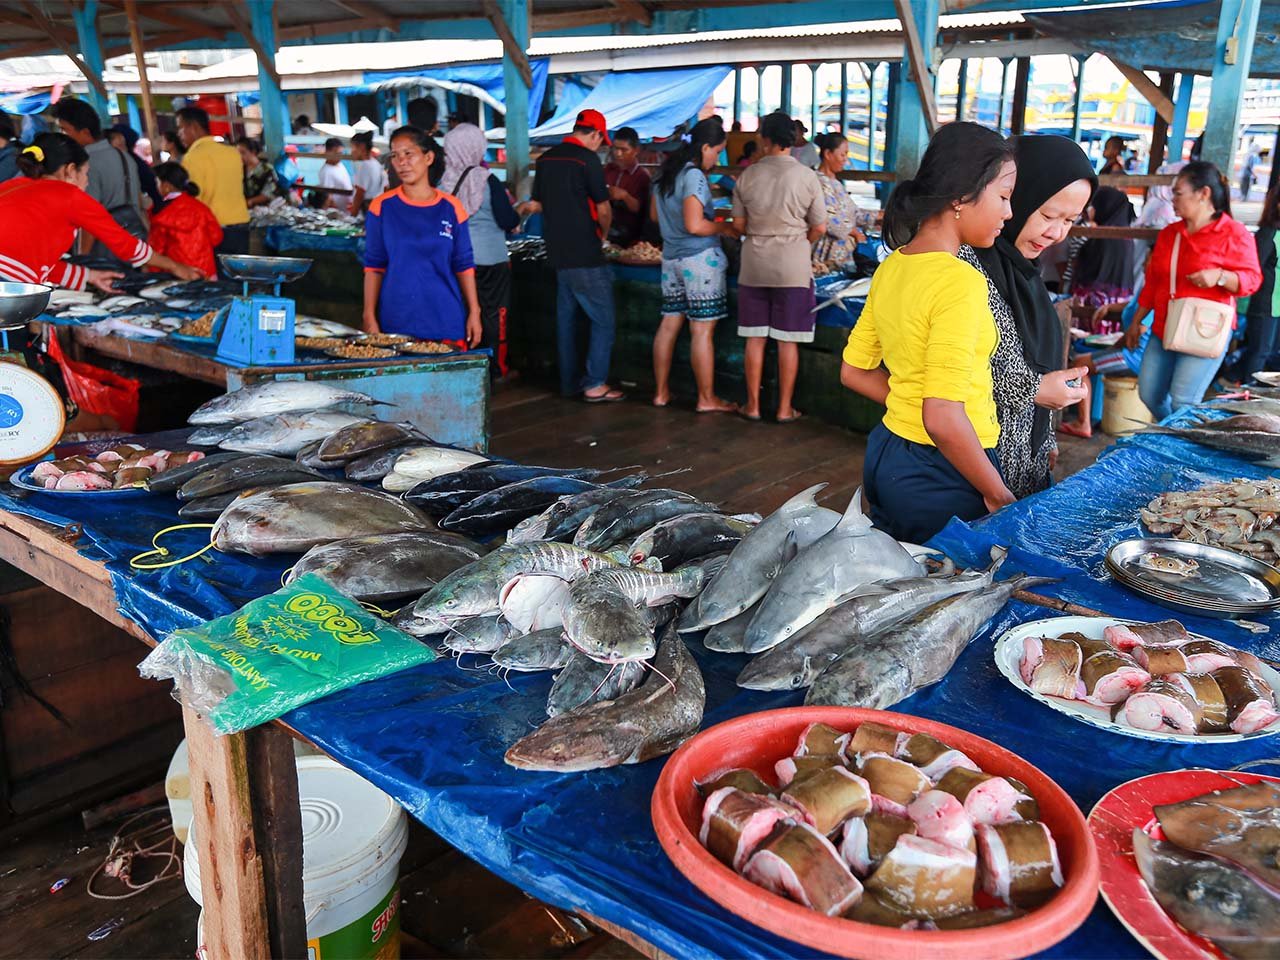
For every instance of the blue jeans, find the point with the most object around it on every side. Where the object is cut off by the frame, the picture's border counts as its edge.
(584, 291)
(1259, 343)
(1169, 381)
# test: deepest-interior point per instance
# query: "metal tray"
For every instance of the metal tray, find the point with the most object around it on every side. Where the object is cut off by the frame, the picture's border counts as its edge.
(263, 269)
(1227, 583)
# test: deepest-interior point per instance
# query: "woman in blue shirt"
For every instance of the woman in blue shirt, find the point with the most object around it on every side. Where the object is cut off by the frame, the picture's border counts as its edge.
(419, 274)
(693, 265)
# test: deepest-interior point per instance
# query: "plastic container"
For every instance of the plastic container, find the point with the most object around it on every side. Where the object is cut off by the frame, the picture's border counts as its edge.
(1123, 406)
(758, 740)
(353, 836)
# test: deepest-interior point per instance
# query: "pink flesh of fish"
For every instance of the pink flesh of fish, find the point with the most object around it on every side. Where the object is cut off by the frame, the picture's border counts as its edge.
(751, 816)
(940, 816)
(993, 801)
(1158, 707)
(801, 864)
(997, 872)
(82, 480)
(1058, 672)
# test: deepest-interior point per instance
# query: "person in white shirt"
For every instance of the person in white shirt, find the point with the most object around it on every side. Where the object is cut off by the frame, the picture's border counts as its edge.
(369, 178)
(334, 176)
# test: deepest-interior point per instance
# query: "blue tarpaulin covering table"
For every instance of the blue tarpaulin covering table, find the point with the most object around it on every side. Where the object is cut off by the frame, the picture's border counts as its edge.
(434, 736)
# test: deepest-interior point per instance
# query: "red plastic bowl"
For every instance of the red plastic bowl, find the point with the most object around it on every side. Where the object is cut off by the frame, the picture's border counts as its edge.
(757, 740)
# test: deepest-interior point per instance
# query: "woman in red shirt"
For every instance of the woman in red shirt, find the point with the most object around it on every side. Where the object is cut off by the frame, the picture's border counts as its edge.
(184, 228)
(1217, 260)
(41, 211)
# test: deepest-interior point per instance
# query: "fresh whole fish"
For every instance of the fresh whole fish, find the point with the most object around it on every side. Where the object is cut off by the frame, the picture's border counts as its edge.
(255, 470)
(648, 722)
(372, 467)
(1268, 406)
(285, 433)
(852, 554)
(307, 456)
(477, 635)
(729, 635)
(688, 537)
(210, 508)
(890, 666)
(210, 436)
(406, 622)
(1211, 898)
(584, 681)
(360, 439)
(475, 590)
(499, 509)
(601, 618)
(423, 463)
(1263, 422)
(539, 650)
(174, 477)
(755, 562)
(1245, 443)
(567, 515)
(454, 489)
(298, 516)
(388, 566)
(624, 519)
(272, 398)
(796, 662)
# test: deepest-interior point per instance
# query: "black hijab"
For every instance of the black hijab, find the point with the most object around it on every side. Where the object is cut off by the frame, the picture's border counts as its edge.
(1046, 164)
(1107, 263)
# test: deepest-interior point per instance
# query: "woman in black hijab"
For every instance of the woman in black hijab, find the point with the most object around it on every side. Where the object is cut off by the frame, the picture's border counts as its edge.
(1106, 266)
(1055, 182)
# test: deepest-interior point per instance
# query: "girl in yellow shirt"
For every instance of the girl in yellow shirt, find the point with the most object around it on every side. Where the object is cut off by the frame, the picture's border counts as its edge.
(923, 343)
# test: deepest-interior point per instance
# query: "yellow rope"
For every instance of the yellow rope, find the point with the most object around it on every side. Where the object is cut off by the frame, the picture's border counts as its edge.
(375, 609)
(160, 551)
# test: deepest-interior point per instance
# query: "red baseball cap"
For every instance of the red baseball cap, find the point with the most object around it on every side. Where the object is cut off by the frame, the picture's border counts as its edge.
(595, 120)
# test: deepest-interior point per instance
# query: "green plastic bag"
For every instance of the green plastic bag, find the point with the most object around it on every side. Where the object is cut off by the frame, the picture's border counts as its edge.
(278, 652)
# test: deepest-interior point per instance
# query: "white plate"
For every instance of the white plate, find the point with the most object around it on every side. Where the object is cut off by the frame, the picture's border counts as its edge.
(1009, 654)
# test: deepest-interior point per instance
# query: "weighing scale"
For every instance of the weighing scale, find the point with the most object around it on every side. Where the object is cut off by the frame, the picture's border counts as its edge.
(258, 328)
(32, 416)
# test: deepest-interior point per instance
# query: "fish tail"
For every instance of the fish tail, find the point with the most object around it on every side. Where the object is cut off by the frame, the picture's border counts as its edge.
(805, 498)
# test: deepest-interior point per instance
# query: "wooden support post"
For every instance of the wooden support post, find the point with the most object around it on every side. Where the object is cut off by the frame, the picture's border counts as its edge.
(516, 83)
(512, 49)
(760, 94)
(784, 91)
(1149, 90)
(85, 16)
(1160, 128)
(872, 118)
(144, 81)
(402, 107)
(262, 27)
(1232, 55)
(813, 99)
(844, 99)
(1004, 93)
(1021, 81)
(248, 826)
(1181, 111)
(919, 21)
(737, 94)
(1079, 97)
(962, 88)
(339, 107)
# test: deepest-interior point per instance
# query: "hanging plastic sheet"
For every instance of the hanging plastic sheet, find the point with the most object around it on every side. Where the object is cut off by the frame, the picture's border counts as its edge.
(654, 102)
(434, 736)
(481, 80)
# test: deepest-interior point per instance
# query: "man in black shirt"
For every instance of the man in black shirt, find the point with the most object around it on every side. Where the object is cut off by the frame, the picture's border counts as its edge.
(570, 191)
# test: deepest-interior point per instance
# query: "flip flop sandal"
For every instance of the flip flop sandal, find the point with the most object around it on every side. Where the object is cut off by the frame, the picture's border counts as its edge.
(609, 396)
(793, 419)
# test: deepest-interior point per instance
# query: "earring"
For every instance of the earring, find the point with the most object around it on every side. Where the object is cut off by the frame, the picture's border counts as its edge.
(957, 213)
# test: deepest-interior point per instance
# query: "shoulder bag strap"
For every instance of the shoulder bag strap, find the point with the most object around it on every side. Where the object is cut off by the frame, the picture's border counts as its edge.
(1173, 266)
(462, 176)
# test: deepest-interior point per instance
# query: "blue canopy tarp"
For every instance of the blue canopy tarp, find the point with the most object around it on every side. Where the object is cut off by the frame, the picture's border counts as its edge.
(433, 736)
(654, 102)
(482, 80)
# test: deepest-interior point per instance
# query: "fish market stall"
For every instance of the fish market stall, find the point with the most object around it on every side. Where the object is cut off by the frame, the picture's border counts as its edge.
(435, 736)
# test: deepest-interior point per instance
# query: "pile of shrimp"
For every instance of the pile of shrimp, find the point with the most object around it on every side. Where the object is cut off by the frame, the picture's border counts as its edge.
(1239, 515)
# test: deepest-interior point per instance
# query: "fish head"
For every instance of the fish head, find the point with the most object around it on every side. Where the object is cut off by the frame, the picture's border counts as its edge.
(601, 622)
(456, 597)
(576, 741)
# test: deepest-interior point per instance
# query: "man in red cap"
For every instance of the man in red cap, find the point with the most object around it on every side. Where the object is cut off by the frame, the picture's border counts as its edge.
(570, 190)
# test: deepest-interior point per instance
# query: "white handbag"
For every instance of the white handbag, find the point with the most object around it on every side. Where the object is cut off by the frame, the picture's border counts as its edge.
(1194, 325)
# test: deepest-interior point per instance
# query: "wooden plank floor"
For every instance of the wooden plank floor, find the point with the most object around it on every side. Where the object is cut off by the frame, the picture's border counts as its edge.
(742, 466)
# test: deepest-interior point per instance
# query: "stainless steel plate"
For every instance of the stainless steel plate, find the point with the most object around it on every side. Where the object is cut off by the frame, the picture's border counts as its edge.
(263, 269)
(1226, 584)
(21, 302)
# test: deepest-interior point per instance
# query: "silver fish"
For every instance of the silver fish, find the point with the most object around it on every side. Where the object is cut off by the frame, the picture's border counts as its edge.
(730, 635)
(566, 515)
(285, 433)
(853, 553)
(540, 650)
(359, 439)
(422, 463)
(476, 589)
(623, 519)
(374, 466)
(690, 536)
(648, 722)
(890, 666)
(388, 566)
(755, 562)
(584, 681)
(210, 436)
(796, 662)
(477, 635)
(275, 397)
(254, 470)
(298, 516)
(601, 618)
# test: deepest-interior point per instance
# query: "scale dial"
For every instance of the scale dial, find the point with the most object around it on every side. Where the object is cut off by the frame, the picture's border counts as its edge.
(32, 416)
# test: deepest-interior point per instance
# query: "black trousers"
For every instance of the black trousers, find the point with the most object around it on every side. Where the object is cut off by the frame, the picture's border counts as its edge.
(235, 239)
(493, 288)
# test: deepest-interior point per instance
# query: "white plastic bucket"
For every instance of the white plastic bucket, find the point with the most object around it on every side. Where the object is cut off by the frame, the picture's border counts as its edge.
(1123, 406)
(353, 836)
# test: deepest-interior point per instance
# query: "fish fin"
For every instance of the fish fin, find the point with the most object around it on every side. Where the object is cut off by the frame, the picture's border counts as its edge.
(1025, 581)
(619, 555)
(746, 517)
(651, 563)
(999, 555)
(805, 498)
(379, 403)
(790, 547)
(854, 520)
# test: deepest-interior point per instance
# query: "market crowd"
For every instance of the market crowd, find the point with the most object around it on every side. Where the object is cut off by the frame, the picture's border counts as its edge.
(960, 339)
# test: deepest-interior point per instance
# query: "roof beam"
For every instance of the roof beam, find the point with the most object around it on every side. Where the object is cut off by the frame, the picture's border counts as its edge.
(369, 13)
(152, 11)
(266, 58)
(917, 58)
(62, 40)
(567, 20)
(510, 45)
(635, 10)
(1144, 85)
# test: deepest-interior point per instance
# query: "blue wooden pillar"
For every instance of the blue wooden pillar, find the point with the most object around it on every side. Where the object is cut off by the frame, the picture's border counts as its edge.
(910, 135)
(339, 107)
(737, 94)
(844, 98)
(402, 107)
(784, 99)
(872, 118)
(1004, 91)
(1181, 110)
(813, 100)
(892, 91)
(131, 110)
(516, 95)
(962, 88)
(760, 71)
(1079, 96)
(272, 104)
(86, 19)
(1237, 23)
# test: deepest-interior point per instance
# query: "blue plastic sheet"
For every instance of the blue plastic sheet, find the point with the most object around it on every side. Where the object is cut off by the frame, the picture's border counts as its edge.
(654, 102)
(281, 238)
(486, 78)
(433, 737)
